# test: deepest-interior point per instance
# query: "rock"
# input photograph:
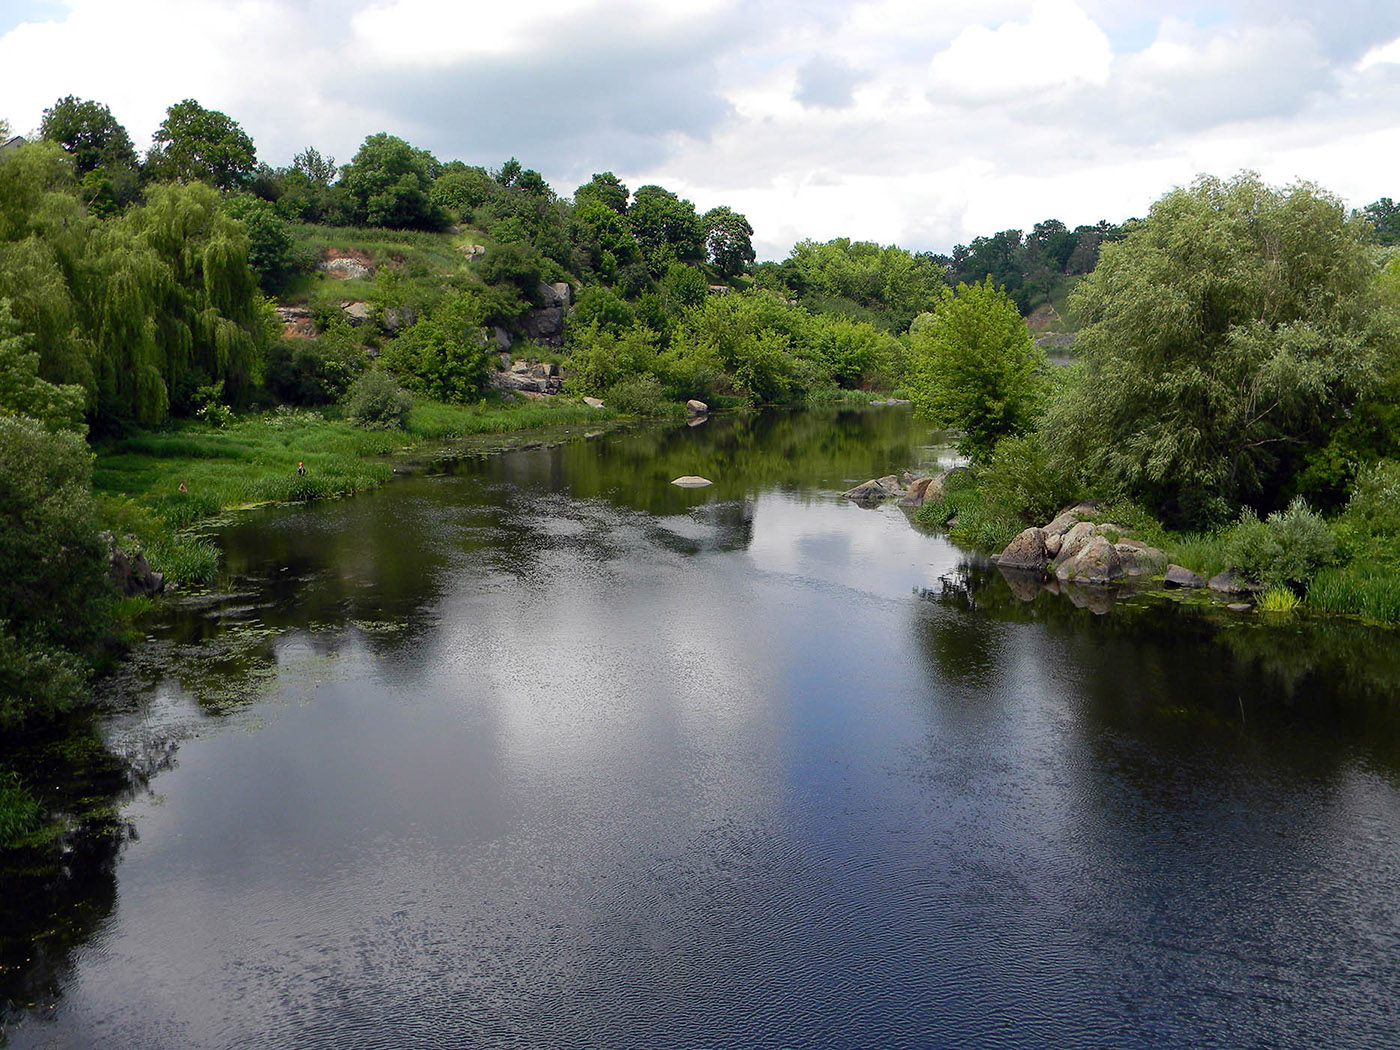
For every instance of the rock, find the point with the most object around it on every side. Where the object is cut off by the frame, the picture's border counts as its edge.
(502, 341)
(592, 402)
(696, 408)
(1026, 552)
(296, 322)
(875, 489)
(545, 325)
(1239, 607)
(471, 251)
(917, 492)
(1138, 559)
(131, 575)
(346, 267)
(718, 289)
(692, 481)
(1074, 541)
(397, 318)
(1228, 583)
(1179, 577)
(886, 402)
(1070, 516)
(357, 313)
(1097, 562)
(1053, 543)
(554, 295)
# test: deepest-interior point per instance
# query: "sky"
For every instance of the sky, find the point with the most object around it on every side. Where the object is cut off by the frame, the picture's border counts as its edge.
(922, 123)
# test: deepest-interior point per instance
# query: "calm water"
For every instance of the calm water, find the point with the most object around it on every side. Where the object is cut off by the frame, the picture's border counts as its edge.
(539, 750)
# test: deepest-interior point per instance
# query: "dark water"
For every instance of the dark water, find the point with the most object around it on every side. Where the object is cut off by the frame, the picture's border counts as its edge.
(544, 751)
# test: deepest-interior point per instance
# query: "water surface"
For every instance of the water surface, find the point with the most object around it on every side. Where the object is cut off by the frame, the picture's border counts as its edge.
(539, 750)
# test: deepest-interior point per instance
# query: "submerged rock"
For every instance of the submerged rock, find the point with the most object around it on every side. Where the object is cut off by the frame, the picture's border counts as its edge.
(875, 489)
(692, 481)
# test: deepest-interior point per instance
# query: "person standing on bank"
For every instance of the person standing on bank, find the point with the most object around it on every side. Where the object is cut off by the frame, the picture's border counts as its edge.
(301, 469)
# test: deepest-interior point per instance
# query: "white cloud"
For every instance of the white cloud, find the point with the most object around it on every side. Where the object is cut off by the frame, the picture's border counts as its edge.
(1059, 46)
(1384, 54)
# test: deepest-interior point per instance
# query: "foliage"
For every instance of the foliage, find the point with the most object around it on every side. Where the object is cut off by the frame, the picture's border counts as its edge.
(444, 356)
(606, 189)
(374, 400)
(307, 194)
(641, 395)
(103, 156)
(54, 604)
(22, 392)
(314, 371)
(728, 236)
(601, 357)
(1278, 600)
(270, 246)
(666, 228)
(389, 183)
(1359, 590)
(194, 143)
(19, 813)
(1226, 335)
(974, 367)
(1284, 550)
(1369, 527)
(888, 286)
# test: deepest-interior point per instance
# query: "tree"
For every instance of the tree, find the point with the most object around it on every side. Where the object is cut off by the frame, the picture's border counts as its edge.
(1224, 338)
(606, 189)
(204, 145)
(269, 240)
(727, 235)
(447, 355)
(103, 157)
(975, 368)
(666, 227)
(23, 393)
(307, 191)
(54, 605)
(389, 182)
(1384, 217)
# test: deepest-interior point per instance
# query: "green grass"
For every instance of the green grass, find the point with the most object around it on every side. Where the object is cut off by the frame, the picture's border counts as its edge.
(1278, 600)
(254, 460)
(1369, 591)
(19, 812)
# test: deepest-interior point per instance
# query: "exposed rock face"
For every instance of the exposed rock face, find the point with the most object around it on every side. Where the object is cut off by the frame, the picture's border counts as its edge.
(346, 265)
(471, 251)
(131, 574)
(545, 325)
(559, 294)
(696, 408)
(875, 490)
(503, 343)
(1179, 577)
(296, 322)
(529, 377)
(692, 481)
(357, 313)
(1138, 559)
(1074, 540)
(397, 318)
(1025, 553)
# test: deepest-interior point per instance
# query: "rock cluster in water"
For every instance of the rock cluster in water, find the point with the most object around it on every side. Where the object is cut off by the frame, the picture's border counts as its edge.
(1075, 548)
(911, 491)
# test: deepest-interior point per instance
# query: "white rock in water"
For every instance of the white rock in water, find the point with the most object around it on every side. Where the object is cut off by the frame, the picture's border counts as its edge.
(692, 481)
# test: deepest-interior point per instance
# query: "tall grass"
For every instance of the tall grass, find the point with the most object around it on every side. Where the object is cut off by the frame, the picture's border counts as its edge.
(1360, 590)
(19, 812)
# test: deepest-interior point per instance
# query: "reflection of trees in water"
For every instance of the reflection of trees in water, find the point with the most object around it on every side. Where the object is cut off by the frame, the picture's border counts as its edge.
(59, 890)
(1169, 670)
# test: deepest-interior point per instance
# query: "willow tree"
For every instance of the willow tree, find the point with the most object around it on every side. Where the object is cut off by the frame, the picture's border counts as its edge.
(1226, 335)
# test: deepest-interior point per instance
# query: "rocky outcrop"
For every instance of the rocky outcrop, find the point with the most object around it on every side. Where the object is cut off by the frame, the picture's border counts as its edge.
(921, 490)
(357, 313)
(545, 325)
(296, 322)
(529, 377)
(593, 402)
(559, 294)
(397, 318)
(346, 265)
(131, 574)
(1072, 547)
(1097, 562)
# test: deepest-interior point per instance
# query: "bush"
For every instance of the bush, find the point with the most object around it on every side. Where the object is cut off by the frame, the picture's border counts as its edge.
(640, 396)
(446, 356)
(1285, 550)
(375, 401)
(19, 813)
(1369, 528)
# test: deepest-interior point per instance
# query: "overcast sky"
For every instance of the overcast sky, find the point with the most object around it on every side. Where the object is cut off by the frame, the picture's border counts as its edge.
(917, 122)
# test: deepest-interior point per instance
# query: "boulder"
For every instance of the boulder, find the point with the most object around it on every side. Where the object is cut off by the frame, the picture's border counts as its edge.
(296, 322)
(918, 492)
(544, 325)
(502, 340)
(357, 313)
(1026, 552)
(692, 481)
(1070, 516)
(1097, 562)
(555, 295)
(1138, 559)
(131, 575)
(1228, 582)
(1239, 607)
(397, 318)
(1179, 577)
(875, 489)
(1053, 543)
(592, 402)
(696, 408)
(1075, 540)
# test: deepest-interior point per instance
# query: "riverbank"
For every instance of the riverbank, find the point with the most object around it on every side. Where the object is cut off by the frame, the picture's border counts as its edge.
(161, 486)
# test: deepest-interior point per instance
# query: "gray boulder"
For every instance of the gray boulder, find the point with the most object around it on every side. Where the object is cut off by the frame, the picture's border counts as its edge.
(1180, 577)
(918, 492)
(1025, 553)
(357, 313)
(545, 325)
(1138, 559)
(874, 490)
(696, 408)
(692, 481)
(1228, 582)
(1097, 562)
(1074, 540)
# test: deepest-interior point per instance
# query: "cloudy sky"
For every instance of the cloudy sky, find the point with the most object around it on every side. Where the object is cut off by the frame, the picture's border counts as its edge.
(917, 122)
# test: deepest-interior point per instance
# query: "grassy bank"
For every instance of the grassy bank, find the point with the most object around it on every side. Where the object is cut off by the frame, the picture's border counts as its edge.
(254, 460)
(19, 812)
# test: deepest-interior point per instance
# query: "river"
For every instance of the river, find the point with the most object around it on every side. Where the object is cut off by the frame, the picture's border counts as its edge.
(539, 750)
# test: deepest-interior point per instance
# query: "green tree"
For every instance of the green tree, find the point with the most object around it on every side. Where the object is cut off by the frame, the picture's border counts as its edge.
(104, 159)
(389, 183)
(666, 227)
(606, 189)
(23, 393)
(1225, 338)
(270, 243)
(54, 607)
(975, 368)
(447, 355)
(728, 237)
(204, 145)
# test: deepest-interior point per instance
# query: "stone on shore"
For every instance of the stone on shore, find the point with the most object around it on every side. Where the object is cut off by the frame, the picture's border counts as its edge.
(874, 490)
(1181, 577)
(696, 408)
(1025, 553)
(1228, 582)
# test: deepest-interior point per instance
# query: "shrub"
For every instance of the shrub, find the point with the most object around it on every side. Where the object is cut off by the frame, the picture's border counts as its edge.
(640, 396)
(375, 401)
(1369, 528)
(19, 813)
(1285, 550)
